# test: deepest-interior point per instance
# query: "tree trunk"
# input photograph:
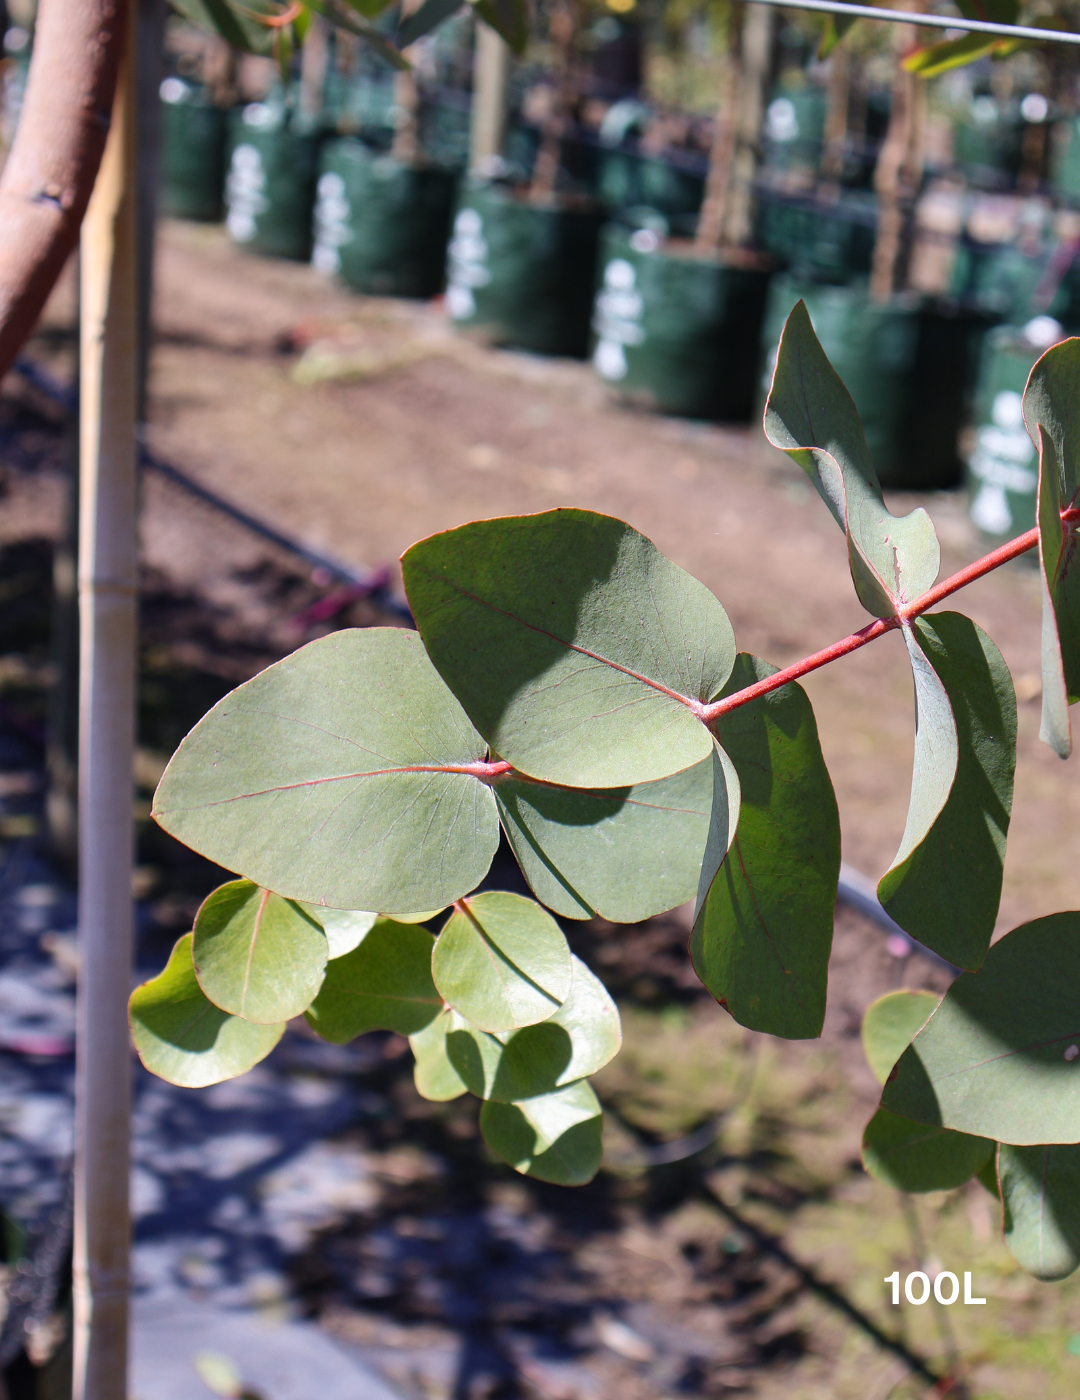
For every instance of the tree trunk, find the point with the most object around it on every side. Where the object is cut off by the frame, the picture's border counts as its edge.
(564, 23)
(898, 172)
(711, 219)
(836, 122)
(756, 65)
(491, 82)
(406, 144)
(107, 592)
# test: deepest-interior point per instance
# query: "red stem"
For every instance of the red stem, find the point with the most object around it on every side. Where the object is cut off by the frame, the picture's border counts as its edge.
(905, 614)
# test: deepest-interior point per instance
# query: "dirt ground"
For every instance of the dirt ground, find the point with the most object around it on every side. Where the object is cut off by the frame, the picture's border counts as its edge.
(360, 425)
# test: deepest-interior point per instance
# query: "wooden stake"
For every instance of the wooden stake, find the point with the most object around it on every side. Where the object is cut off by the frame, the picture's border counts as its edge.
(491, 81)
(107, 593)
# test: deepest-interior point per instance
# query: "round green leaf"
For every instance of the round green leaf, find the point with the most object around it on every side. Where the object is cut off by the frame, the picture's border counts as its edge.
(502, 961)
(556, 1137)
(183, 1037)
(345, 929)
(889, 1026)
(383, 984)
(257, 955)
(578, 650)
(916, 1157)
(623, 853)
(339, 776)
(1040, 1190)
(1000, 1057)
(435, 1077)
(581, 1037)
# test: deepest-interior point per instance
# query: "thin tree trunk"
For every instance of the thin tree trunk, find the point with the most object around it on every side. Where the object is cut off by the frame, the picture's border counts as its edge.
(564, 23)
(406, 144)
(711, 219)
(491, 82)
(893, 174)
(836, 122)
(107, 591)
(755, 67)
(313, 60)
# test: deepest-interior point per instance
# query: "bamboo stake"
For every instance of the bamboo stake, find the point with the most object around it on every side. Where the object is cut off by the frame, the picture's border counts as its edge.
(107, 593)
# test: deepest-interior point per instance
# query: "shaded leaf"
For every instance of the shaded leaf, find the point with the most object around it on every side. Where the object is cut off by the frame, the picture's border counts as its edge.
(428, 16)
(1052, 415)
(578, 650)
(334, 777)
(345, 929)
(762, 937)
(510, 18)
(1040, 1190)
(383, 984)
(996, 1059)
(997, 11)
(836, 26)
(623, 853)
(987, 1176)
(555, 1137)
(240, 30)
(917, 1157)
(582, 1036)
(811, 417)
(944, 886)
(181, 1036)
(257, 955)
(889, 1026)
(435, 1077)
(341, 14)
(502, 961)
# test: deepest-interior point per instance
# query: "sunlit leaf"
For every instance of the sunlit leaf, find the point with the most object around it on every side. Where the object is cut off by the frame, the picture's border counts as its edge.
(257, 955)
(435, 1077)
(383, 984)
(335, 777)
(502, 961)
(582, 1036)
(1040, 1190)
(1000, 1057)
(889, 1026)
(555, 1137)
(917, 1157)
(811, 417)
(623, 853)
(345, 929)
(762, 937)
(1052, 414)
(933, 59)
(578, 650)
(181, 1036)
(944, 886)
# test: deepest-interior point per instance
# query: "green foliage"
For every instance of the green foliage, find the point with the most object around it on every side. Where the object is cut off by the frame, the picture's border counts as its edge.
(944, 886)
(383, 984)
(1052, 414)
(571, 683)
(889, 1026)
(556, 1137)
(916, 1157)
(1040, 1191)
(502, 962)
(257, 955)
(334, 777)
(998, 1058)
(762, 936)
(575, 646)
(183, 1037)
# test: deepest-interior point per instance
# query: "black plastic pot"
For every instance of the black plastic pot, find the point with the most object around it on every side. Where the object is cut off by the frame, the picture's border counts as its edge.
(382, 225)
(676, 332)
(193, 137)
(1002, 471)
(626, 179)
(270, 188)
(909, 366)
(523, 273)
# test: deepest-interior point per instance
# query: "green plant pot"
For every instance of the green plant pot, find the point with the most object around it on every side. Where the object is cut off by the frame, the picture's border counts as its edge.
(1065, 160)
(826, 242)
(1002, 469)
(794, 129)
(381, 225)
(627, 179)
(986, 145)
(909, 367)
(523, 274)
(193, 136)
(675, 332)
(270, 189)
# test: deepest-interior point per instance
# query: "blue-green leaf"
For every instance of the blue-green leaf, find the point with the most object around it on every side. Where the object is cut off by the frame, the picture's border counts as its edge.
(1040, 1190)
(555, 1137)
(383, 984)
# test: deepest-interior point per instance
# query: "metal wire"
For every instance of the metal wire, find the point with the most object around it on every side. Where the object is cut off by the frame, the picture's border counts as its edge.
(955, 22)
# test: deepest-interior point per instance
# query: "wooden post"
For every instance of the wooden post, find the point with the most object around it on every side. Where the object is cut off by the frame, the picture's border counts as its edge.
(491, 81)
(107, 593)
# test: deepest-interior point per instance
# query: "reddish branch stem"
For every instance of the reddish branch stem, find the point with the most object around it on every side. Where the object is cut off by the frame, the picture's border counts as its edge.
(905, 614)
(46, 182)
